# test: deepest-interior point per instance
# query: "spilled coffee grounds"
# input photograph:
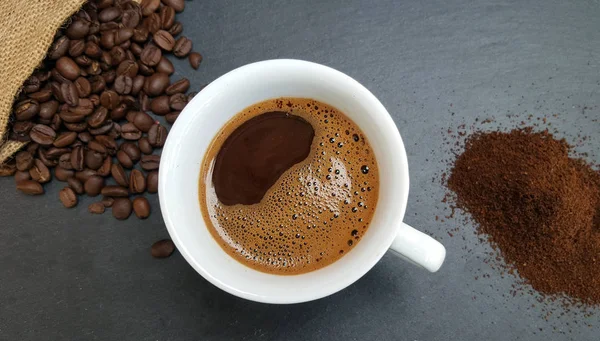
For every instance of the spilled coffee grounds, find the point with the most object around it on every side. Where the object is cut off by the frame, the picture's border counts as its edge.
(539, 207)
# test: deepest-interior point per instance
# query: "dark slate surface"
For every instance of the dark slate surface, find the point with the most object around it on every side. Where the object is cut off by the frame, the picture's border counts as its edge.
(67, 275)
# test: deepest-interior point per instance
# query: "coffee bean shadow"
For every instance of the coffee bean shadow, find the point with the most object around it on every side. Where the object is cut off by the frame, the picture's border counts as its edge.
(230, 317)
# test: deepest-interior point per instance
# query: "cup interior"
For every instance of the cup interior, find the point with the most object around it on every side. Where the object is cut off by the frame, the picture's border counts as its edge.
(208, 112)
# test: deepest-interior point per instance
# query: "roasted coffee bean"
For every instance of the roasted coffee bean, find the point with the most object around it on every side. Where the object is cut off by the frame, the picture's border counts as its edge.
(31, 84)
(54, 153)
(19, 175)
(32, 148)
(76, 185)
(132, 150)
(83, 61)
(96, 208)
(97, 147)
(94, 68)
(162, 248)
(140, 34)
(84, 137)
(83, 86)
(85, 174)
(30, 187)
(137, 182)
(93, 185)
(123, 84)
(118, 55)
(178, 101)
(130, 117)
(78, 29)
(144, 100)
(59, 48)
(137, 84)
(129, 101)
(115, 191)
(110, 14)
(48, 162)
(8, 169)
(183, 46)
(152, 182)
(145, 70)
(121, 208)
(164, 40)
(95, 100)
(157, 135)
(98, 117)
(109, 99)
(152, 23)
(128, 68)
(195, 60)
(63, 174)
(93, 159)
(124, 159)
(123, 35)
(130, 132)
(119, 112)
(115, 131)
(143, 121)
(150, 162)
(57, 77)
(24, 160)
(77, 127)
(26, 110)
(109, 76)
(172, 116)
(76, 48)
(98, 84)
(41, 96)
(65, 139)
(131, 18)
(177, 5)
(68, 197)
(141, 207)
(92, 50)
(67, 68)
(85, 107)
(77, 158)
(104, 170)
(64, 161)
(107, 201)
(70, 117)
(106, 127)
(22, 127)
(150, 55)
(119, 174)
(149, 6)
(145, 146)
(42, 134)
(180, 86)
(176, 29)
(108, 142)
(160, 105)
(48, 109)
(39, 172)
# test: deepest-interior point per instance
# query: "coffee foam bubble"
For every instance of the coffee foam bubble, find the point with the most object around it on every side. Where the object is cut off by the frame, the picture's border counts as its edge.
(317, 210)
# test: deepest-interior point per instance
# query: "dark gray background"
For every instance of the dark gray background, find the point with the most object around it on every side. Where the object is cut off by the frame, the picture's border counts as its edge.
(67, 275)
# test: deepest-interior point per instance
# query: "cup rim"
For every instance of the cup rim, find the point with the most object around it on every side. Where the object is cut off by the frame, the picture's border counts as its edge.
(392, 132)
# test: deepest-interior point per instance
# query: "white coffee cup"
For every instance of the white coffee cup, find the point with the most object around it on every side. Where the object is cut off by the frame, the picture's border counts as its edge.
(216, 104)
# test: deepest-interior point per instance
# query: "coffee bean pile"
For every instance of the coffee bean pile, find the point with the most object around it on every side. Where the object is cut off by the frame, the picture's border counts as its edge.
(85, 110)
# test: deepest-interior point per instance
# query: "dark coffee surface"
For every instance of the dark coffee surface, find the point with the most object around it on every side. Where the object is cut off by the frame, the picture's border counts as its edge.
(301, 182)
(256, 154)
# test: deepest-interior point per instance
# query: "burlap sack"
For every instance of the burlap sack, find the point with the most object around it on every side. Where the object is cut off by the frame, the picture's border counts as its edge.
(27, 30)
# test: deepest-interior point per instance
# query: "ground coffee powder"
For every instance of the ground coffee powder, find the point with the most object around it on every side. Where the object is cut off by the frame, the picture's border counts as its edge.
(539, 207)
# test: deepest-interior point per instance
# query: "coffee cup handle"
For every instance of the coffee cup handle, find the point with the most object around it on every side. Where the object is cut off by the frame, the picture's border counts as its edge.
(418, 248)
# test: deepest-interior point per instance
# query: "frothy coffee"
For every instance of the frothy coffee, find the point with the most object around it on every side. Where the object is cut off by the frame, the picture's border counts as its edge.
(318, 206)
